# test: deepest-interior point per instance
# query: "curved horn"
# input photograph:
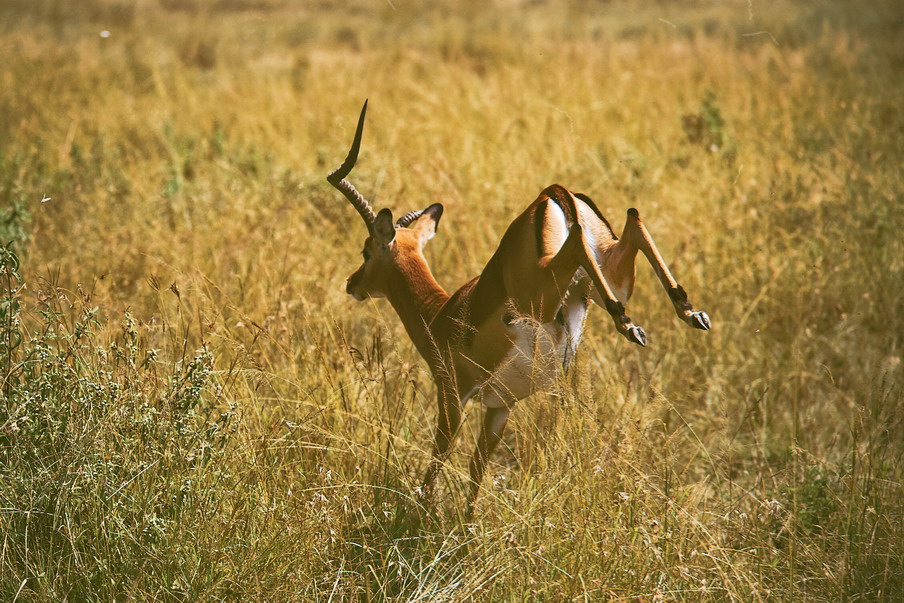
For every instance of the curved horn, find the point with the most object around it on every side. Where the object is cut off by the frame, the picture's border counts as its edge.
(408, 218)
(337, 177)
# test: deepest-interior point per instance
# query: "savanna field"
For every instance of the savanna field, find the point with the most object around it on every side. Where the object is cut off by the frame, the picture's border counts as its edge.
(193, 409)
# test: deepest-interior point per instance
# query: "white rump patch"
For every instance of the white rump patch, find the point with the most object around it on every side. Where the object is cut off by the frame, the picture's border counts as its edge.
(557, 226)
(587, 216)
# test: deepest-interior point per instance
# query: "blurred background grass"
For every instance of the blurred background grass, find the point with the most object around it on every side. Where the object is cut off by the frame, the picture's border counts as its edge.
(193, 408)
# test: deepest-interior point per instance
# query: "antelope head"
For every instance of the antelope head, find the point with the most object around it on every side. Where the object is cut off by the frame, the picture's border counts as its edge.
(392, 251)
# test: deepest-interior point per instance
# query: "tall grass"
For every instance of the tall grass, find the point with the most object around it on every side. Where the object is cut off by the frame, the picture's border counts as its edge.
(193, 409)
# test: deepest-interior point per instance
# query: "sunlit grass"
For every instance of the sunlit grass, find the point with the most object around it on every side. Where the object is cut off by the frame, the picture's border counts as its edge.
(197, 410)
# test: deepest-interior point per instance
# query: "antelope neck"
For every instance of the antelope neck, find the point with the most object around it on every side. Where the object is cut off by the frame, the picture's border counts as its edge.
(417, 298)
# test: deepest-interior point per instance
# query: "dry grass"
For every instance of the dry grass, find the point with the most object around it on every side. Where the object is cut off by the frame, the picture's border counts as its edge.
(184, 158)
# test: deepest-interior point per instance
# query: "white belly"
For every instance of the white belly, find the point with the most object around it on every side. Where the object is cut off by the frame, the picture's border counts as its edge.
(539, 354)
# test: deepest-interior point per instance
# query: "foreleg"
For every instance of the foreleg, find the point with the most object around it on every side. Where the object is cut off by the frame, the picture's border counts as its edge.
(448, 422)
(494, 422)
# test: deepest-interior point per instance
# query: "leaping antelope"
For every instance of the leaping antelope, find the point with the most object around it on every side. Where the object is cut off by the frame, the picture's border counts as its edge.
(506, 333)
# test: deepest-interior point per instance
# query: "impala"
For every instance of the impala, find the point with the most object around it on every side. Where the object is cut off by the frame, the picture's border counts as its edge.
(508, 332)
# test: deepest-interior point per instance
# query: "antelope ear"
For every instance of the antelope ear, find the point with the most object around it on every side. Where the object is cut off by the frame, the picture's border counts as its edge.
(384, 229)
(425, 226)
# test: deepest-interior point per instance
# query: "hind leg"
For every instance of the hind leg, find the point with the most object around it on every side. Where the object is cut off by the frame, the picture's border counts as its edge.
(578, 252)
(636, 237)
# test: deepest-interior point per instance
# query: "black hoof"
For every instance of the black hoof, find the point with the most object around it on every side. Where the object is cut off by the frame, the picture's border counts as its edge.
(637, 335)
(700, 320)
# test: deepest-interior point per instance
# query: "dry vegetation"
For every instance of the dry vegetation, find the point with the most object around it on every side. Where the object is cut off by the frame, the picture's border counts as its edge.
(193, 409)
